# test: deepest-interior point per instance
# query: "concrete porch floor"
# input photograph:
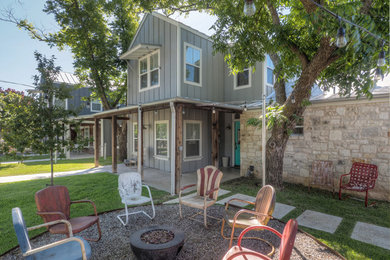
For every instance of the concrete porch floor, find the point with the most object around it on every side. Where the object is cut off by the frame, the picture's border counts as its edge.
(162, 180)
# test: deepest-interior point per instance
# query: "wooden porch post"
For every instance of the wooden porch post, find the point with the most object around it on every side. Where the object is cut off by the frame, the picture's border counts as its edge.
(214, 137)
(140, 153)
(96, 138)
(114, 128)
(179, 146)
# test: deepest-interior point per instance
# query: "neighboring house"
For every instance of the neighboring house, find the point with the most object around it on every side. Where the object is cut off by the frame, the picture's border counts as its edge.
(85, 106)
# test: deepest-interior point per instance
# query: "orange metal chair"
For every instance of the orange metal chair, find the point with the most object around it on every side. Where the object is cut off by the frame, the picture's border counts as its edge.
(53, 203)
(209, 179)
(286, 245)
(243, 218)
(362, 177)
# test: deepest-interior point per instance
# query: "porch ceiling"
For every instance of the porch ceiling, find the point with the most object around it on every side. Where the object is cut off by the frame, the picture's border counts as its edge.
(139, 51)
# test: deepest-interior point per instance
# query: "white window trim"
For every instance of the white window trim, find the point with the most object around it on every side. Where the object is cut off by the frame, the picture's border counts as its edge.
(96, 101)
(266, 67)
(198, 157)
(148, 71)
(186, 44)
(135, 126)
(235, 87)
(160, 157)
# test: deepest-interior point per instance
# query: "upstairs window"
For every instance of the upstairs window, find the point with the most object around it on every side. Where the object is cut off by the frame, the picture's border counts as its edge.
(135, 137)
(96, 105)
(193, 65)
(192, 139)
(161, 139)
(149, 71)
(243, 79)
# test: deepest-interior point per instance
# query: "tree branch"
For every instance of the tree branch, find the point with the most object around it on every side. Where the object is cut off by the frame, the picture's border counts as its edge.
(309, 6)
(366, 6)
(293, 47)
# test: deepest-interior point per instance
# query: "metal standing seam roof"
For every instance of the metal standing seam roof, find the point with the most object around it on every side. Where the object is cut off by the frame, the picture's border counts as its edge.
(67, 78)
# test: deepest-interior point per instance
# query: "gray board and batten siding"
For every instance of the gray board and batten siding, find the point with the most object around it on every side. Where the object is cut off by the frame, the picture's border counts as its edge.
(149, 120)
(76, 103)
(157, 32)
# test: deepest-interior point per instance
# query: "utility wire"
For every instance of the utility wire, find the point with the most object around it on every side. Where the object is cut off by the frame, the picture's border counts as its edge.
(15, 83)
(348, 21)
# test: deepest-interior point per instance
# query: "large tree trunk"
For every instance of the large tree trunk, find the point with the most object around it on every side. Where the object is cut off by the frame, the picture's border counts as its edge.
(123, 141)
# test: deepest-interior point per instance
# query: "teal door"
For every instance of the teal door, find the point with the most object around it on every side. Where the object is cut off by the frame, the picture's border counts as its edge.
(237, 143)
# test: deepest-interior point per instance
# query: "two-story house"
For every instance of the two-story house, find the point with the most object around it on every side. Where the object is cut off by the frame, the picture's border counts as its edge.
(184, 105)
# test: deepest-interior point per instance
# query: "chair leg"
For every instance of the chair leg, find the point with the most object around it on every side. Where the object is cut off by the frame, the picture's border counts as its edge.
(366, 200)
(99, 232)
(180, 211)
(340, 193)
(205, 217)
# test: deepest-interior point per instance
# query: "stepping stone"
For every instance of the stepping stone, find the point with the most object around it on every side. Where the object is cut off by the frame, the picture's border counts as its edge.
(175, 201)
(319, 221)
(237, 203)
(281, 210)
(372, 234)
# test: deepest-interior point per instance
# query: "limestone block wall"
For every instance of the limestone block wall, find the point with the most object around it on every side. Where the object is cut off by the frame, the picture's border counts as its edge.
(335, 131)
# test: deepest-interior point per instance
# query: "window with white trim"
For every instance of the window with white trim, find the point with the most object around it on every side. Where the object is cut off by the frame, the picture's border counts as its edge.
(192, 139)
(161, 139)
(149, 71)
(135, 137)
(96, 105)
(243, 79)
(192, 64)
(270, 80)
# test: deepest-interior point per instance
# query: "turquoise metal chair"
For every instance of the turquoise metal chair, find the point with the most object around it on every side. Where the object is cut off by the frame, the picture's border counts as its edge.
(69, 248)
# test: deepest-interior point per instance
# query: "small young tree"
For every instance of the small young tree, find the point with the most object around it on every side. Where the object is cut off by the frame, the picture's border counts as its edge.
(16, 121)
(50, 129)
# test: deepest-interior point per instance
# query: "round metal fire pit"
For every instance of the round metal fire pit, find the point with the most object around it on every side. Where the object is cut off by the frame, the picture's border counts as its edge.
(157, 251)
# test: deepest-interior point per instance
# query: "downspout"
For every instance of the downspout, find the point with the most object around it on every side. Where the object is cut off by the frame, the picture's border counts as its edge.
(173, 146)
(139, 161)
(178, 55)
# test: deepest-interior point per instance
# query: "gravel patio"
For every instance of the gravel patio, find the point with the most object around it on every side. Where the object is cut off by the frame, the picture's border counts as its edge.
(200, 243)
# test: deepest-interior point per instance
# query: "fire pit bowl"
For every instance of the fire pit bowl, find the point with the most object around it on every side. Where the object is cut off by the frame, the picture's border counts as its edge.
(157, 243)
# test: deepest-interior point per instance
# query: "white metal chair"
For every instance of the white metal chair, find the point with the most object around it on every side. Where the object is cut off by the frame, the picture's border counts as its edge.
(130, 190)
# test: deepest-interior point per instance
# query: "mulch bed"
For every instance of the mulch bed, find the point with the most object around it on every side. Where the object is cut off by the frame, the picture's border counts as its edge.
(200, 243)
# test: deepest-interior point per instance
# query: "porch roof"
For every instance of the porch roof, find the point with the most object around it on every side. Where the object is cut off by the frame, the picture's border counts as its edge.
(139, 51)
(165, 104)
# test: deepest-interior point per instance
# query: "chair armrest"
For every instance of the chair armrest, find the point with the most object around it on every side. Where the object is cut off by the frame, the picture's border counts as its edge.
(257, 227)
(188, 186)
(86, 201)
(41, 213)
(69, 226)
(341, 177)
(247, 253)
(245, 201)
(211, 191)
(64, 241)
(249, 212)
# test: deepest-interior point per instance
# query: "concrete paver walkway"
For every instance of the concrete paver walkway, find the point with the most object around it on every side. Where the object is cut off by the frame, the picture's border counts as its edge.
(319, 221)
(372, 234)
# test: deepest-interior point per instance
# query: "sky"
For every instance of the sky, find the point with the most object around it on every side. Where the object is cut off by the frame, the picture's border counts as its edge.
(17, 62)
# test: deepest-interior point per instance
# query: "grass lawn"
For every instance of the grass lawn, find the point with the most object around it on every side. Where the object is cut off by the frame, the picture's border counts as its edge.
(322, 201)
(6, 158)
(101, 188)
(44, 167)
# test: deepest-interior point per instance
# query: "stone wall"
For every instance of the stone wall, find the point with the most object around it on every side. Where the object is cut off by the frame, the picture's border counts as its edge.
(336, 131)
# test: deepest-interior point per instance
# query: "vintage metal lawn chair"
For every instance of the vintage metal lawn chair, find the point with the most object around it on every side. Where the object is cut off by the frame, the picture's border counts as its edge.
(286, 245)
(209, 179)
(242, 218)
(130, 191)
(362, 177)
(53, 203)
(66, 249)
(322, 174)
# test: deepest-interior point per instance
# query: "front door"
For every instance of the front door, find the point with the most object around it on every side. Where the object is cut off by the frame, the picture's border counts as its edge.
(237, 143)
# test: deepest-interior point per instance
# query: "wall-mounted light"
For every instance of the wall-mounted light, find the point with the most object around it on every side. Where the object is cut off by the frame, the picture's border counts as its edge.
(378, 74)
(88, 105)
(155, 112)
(213, 110)
(183, 112)
(245, 108)
(293, 99)
(381, 57)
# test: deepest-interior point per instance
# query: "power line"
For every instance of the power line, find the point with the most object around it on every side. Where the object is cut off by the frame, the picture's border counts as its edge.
(16, 83)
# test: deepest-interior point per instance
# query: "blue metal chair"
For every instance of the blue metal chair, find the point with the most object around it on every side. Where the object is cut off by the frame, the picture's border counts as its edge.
(69, 248)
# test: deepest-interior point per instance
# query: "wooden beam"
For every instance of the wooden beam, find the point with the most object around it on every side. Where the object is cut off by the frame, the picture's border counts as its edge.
(179, 146)
(114, 128)
(214, 138)
(96, 142)
(140, 143)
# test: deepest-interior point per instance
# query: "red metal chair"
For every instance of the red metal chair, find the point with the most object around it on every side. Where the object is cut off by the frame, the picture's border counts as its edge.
(286, 245)
(362, 178)
(53, 203)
